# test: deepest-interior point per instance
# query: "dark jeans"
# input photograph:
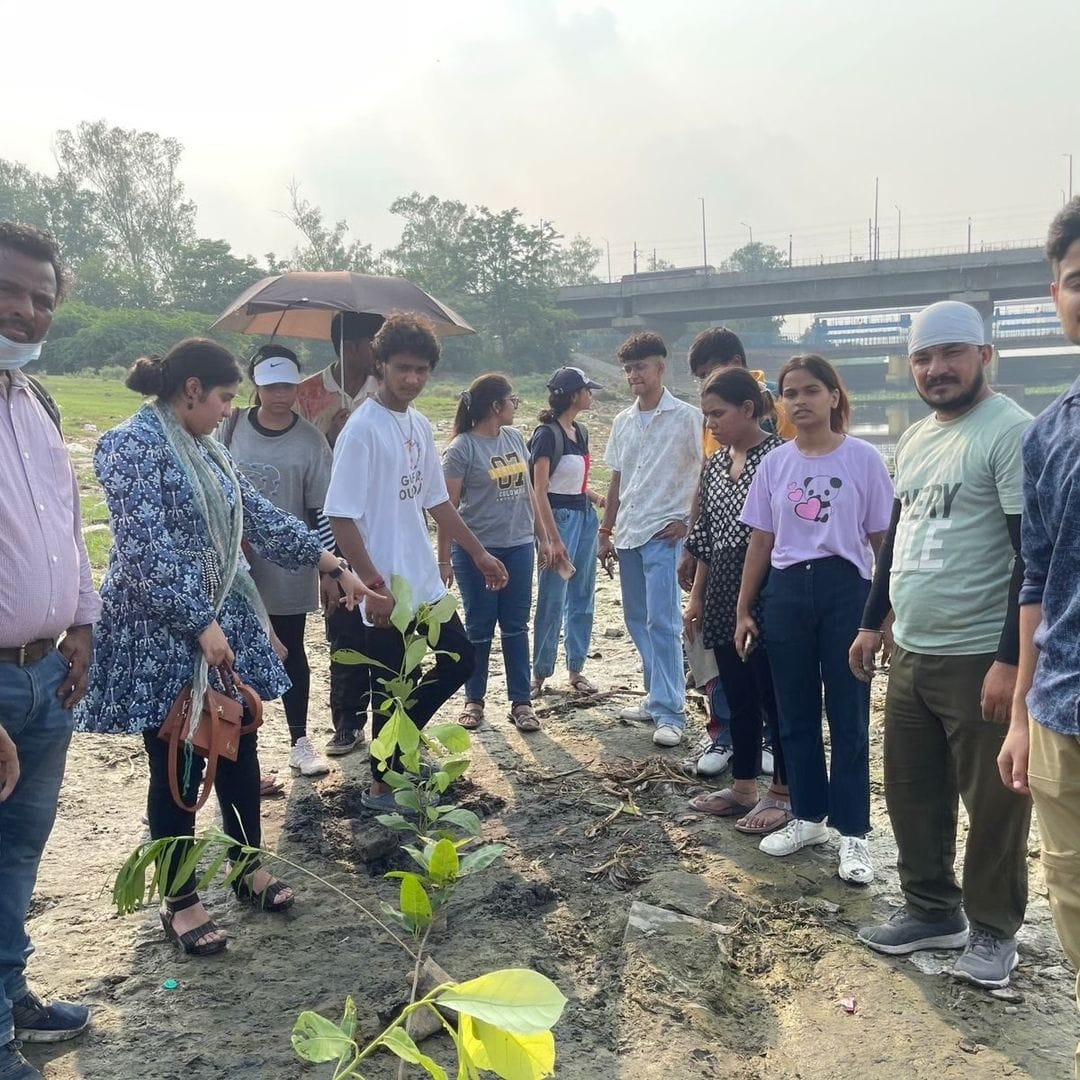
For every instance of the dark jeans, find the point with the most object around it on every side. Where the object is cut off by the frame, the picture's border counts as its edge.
(237, 789)
(938, 750)
(748, 688)
(290, 630)
(350, 684)
(811, 614)
(439, 683)
(508, 608)
(40, 727)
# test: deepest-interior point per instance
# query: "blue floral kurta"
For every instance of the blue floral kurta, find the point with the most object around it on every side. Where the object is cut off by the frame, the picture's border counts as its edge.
(155, 598)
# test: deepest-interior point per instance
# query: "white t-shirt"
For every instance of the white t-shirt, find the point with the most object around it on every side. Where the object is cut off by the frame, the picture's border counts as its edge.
(386, 473)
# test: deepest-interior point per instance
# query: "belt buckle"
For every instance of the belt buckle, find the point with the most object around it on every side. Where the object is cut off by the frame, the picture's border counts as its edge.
(20, 656)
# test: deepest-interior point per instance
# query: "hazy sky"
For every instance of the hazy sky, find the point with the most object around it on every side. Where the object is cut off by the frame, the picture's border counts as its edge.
(610, 120)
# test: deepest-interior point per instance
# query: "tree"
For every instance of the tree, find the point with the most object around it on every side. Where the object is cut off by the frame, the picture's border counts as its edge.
(325, 247)
(748, 258)
(208, 276)
(139, 202)
(576, 261)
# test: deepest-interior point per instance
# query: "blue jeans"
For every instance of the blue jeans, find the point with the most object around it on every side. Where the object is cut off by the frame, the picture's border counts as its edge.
(567, 606)
(650, 594)
(509, 608)
(811, 615)
(40, 727)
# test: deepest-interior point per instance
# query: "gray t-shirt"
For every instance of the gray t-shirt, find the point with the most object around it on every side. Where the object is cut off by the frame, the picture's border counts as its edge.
(292, 469)
(495, 500)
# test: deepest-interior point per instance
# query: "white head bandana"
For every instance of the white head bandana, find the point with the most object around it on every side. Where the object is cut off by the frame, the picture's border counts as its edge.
(949, 322)
(276, 369)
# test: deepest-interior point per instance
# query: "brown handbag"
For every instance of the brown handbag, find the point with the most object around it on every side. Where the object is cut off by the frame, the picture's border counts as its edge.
(218, 733)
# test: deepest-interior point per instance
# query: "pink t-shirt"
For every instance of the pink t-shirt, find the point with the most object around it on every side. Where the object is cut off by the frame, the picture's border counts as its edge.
(817, 507)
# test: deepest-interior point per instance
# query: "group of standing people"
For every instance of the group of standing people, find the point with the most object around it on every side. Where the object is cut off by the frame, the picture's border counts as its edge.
(806, 562)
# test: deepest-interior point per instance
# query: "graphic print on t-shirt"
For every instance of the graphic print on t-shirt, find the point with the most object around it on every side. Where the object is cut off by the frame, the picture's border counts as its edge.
(926, 513)
(813, 499)
(508, 472)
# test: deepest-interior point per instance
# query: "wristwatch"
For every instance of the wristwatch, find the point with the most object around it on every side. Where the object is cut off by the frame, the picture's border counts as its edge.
(338, 570)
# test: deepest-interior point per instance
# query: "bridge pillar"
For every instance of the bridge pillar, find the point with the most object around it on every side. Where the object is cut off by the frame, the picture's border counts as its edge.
(982, 303)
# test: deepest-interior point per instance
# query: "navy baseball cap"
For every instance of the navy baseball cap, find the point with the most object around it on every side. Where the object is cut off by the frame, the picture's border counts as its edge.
(569, 380)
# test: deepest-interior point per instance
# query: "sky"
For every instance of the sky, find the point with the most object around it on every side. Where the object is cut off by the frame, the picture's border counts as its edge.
(612, 120)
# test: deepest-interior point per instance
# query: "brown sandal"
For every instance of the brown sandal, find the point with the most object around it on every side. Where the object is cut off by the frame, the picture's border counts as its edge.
(523, 717)
(580, 684)
(472, 716)
(270, 787)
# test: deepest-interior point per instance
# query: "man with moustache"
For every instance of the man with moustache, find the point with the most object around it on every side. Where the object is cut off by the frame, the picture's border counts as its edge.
(950, 570)
(46, 595)
(1042, 751)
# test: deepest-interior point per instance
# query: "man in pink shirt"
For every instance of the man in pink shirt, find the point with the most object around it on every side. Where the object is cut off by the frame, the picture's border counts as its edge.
(46, 595)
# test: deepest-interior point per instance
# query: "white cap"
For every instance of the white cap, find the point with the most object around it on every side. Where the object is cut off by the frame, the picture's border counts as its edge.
(276, 369)
(948, 322)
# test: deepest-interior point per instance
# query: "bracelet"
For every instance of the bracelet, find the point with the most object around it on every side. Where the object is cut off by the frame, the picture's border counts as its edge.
(445, 564)
(868, 630)
(378, 583)
(606, 532)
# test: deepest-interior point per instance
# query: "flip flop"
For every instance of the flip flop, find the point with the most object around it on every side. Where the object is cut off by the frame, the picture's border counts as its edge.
(704, 803)
(270, 787)
(472, 716)
(581, 685)
(536, 690)
(767, 802)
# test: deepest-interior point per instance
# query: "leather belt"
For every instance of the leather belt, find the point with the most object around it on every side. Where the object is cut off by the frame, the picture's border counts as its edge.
(30, 653)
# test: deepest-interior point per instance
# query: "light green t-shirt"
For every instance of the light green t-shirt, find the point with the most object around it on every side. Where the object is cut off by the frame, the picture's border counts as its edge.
(953, 558)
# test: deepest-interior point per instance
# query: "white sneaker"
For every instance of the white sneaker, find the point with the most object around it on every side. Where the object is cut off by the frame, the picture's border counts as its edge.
(667, 735)
(637, 712)
(714, 759)
(306, 760)
(794, 836)
(766, 763)
(855, 865)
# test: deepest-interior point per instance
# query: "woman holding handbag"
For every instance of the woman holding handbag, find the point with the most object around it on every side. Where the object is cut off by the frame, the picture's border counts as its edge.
(180, 607)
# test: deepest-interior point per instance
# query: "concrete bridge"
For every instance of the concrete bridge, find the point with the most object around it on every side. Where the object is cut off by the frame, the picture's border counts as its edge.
(666, 302)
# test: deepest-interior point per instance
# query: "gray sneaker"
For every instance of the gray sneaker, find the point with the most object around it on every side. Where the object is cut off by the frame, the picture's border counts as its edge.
(988, 960)
(904, 934)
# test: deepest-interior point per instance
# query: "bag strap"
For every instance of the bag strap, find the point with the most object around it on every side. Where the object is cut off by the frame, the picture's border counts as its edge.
(229, 430)
(558, 435)
(174, 761)
(45, 399)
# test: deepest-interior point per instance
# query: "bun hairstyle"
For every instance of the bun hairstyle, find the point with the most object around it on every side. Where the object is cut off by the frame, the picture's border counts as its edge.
(163, 377)
(736, 385)
(475, 404)
(558, 403)
(824, 372)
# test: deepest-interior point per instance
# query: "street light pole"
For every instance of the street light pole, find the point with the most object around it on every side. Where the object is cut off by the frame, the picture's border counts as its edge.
(1070, 157)
(748, 229)
(607, 244)
(704, 242)
(875, 236)
(897, 230)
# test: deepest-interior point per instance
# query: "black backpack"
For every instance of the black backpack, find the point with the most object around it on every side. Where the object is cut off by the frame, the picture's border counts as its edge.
(46, 401)
(559, 434)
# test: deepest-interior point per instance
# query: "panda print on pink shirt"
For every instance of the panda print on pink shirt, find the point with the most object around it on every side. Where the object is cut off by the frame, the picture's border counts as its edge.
(812, 501)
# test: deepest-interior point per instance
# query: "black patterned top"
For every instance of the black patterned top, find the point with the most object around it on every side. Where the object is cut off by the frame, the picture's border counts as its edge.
(721, 539)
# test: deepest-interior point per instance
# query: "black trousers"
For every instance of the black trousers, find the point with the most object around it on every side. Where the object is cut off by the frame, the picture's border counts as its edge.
(237, 789)
(290, 630)
(439, 683)
(350, 684)
(748, 687)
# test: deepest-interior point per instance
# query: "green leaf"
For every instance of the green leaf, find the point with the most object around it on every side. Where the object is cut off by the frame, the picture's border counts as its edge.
(514, 1056)
(396, 822)
(348, 1018)
(398, 1041)
(444, 863)
(415, 904)
(455, 767)
(434, 632)
(453, 736)
(404, 611)
(514, 999)
(480, 859)
(396, 780)
(315, 1038)
(414, 655)
(352, 658)
(463, 819)
(421, 858)
(408, 799)
(442, 610)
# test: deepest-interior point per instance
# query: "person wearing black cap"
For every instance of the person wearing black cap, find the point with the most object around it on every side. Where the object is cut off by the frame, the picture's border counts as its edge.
(559, 460)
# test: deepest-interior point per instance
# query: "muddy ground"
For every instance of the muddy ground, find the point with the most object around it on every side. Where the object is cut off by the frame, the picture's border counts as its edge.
(757, 996)
(761, 998)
